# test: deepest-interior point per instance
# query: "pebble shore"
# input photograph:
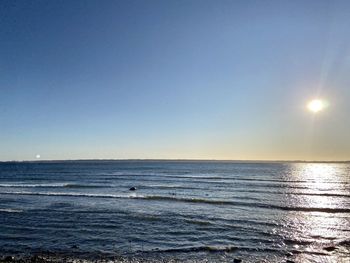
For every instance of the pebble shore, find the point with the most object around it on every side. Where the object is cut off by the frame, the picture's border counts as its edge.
(63, 259)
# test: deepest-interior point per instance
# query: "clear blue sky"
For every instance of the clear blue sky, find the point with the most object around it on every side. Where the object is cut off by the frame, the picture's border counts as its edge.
(174, 79)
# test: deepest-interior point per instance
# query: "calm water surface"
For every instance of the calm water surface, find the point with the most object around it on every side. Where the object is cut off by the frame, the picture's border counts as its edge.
(260, 212)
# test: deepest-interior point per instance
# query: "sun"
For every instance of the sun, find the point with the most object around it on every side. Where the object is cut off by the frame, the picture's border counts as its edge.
(316, 105)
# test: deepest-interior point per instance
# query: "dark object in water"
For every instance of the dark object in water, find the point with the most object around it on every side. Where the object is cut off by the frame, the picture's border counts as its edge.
(330, 248)
(237, 260)
(132, 189)
(289, 261)
(74, 246)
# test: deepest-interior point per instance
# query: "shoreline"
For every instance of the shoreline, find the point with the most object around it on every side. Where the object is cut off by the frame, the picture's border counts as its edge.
(58, 258)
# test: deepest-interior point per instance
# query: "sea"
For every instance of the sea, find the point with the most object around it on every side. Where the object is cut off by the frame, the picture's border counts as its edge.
(185, 211)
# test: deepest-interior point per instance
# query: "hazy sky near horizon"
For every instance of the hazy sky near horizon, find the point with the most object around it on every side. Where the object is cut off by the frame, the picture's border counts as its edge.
(174, 79)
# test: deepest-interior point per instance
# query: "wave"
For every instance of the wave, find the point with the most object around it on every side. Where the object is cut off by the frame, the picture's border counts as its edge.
(344, 242)
(257, 188)
(259, 205)
(170, 186)
(51, 185)
(245, 184)
(292, 193)
(83, 186)
(163, 186)
(199, 222)
(202, 249)
(191, 200)
(31, 185)
(10, 210)
(66, 194)
(235, 178)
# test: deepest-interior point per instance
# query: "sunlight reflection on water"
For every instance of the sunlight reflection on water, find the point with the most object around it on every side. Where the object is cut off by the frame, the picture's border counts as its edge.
(327, 228)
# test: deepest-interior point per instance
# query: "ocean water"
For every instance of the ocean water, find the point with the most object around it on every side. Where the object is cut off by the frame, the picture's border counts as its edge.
(190, 211)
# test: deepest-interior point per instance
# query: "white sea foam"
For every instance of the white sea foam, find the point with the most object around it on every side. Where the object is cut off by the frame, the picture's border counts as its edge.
(10, 210)
(33, 185)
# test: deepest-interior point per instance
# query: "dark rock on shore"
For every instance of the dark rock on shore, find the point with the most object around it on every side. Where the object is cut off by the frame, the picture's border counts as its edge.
(35, 259)
(8, 259)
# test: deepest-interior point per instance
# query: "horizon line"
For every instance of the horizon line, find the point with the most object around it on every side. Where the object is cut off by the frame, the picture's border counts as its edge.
(179, 160)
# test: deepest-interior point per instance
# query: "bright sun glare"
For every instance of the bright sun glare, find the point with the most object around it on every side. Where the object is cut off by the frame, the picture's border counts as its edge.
(316, 105)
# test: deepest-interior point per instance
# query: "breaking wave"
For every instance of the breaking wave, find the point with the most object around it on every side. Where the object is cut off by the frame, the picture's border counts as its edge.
(190, 200)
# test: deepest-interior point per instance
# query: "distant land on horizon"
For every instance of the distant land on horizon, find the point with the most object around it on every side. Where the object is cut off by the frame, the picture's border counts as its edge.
(173, 160)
